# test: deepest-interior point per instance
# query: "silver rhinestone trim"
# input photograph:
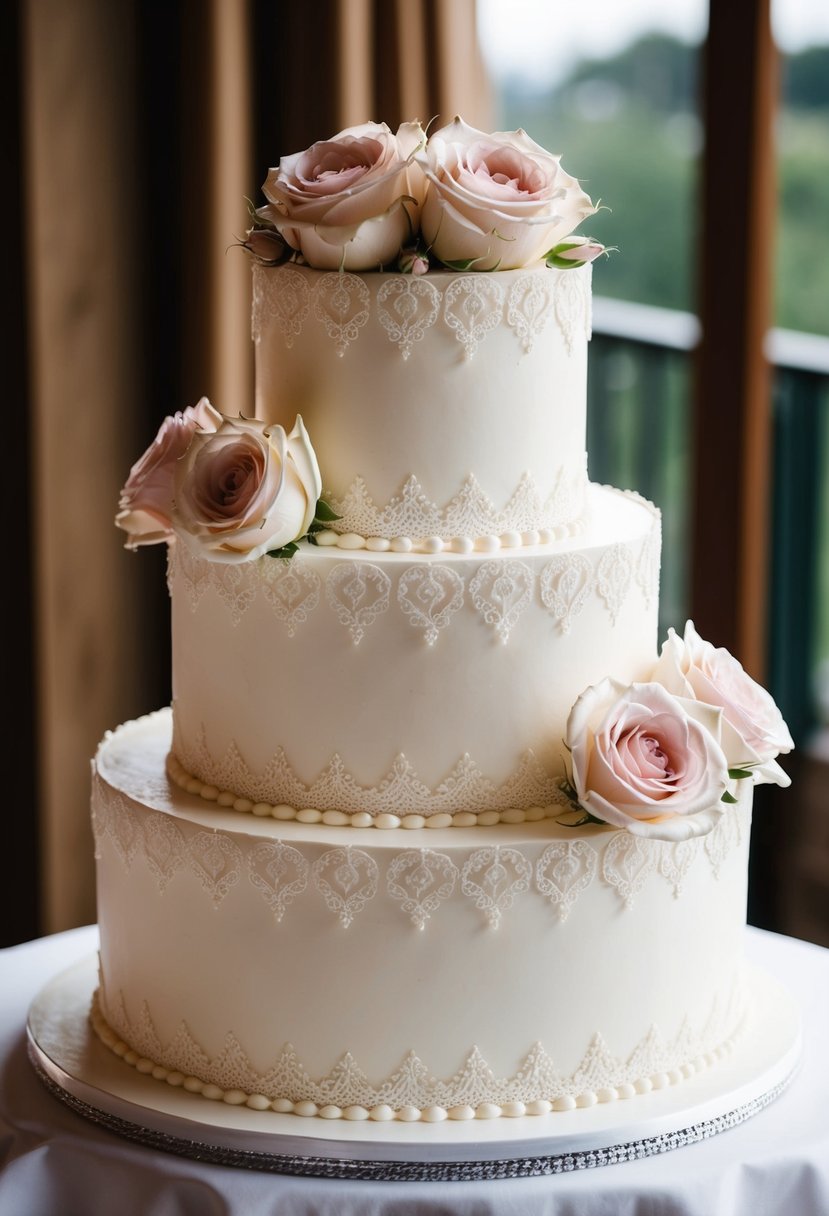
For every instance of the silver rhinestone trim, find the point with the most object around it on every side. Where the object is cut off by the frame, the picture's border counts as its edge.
(411, 1171)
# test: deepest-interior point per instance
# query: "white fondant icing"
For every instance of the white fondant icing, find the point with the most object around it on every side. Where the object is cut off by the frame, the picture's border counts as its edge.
(417, 657)
(413, 669)
(445, 378)
(562, 865)
(412, 1093)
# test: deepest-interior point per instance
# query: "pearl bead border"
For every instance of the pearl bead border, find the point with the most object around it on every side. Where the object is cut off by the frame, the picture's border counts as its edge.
(405, 1114)
(352, 541)
(385, 821)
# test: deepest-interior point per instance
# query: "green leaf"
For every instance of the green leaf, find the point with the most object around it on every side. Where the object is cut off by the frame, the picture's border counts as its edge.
(729, 798)
(557, 263)
(470, 264)
(738, 774)
(569, 790)
(285, 553)
(324, 513)
(462, 264)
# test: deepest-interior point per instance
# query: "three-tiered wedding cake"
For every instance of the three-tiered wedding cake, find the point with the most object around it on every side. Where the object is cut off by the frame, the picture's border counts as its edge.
(429, 830)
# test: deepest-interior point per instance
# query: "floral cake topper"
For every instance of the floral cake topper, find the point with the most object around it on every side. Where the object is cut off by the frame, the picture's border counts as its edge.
(370, 199)
(231, 489)
(350, 202)
(663, 758)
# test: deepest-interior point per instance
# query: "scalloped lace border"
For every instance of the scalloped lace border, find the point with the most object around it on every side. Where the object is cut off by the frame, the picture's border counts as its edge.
(412, 1094)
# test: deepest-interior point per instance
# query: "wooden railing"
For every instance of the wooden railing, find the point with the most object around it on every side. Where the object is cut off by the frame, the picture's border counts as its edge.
(639, 437)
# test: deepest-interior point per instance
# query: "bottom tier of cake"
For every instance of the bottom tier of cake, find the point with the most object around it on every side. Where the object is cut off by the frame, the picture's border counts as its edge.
(448, 972)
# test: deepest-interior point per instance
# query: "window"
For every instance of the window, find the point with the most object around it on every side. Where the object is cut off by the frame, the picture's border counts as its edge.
(618, 97)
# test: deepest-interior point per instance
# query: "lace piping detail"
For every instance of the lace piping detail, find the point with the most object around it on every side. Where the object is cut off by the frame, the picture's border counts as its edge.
(466, 310)
(400, 792)
(416, 882)
(430, 595)
(471, 514)
(412, 1092)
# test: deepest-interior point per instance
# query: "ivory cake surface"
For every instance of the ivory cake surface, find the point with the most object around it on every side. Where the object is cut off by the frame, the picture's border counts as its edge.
(514, 968)
(393, 592)
(404, 684)
(453, 404)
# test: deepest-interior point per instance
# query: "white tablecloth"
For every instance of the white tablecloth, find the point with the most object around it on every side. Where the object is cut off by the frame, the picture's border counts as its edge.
(55, 1163)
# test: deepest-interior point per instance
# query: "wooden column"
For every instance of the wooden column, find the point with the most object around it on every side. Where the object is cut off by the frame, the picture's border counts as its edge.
(731, 498)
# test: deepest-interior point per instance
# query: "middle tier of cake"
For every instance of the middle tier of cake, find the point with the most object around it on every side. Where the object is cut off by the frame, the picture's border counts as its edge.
(399, 688)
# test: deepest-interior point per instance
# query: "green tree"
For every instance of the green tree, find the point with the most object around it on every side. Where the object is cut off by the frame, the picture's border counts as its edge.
(628, 128)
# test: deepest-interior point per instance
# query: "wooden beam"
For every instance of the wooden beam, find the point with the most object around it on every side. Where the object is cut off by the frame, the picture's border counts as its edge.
(732, 384)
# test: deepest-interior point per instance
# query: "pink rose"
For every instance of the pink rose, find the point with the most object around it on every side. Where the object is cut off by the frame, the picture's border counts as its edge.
(145, 505)
(647, 761)
(692, 667)
(351, 202)
(245, 490)
(496, 200)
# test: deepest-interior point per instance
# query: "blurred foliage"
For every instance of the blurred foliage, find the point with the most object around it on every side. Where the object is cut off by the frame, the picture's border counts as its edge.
(658, 71)
(629, 130)
(805, 80)
(802, 253)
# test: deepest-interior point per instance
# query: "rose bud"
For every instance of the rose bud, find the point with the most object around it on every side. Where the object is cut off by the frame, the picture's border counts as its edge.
(267, 246)
(575, 251)
(412, 261)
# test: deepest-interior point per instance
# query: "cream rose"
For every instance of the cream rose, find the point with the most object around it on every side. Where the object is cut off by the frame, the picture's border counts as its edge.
(496, 200)
(145, 505)
(692, 667)
(245, 490)
(351, 202)
(647, 761)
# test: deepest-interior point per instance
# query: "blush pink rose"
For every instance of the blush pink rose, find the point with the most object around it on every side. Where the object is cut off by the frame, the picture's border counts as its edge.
(692, 667)
(647, 761)
(496, 200)
(351, 202)
(246, 490)
(145, 505)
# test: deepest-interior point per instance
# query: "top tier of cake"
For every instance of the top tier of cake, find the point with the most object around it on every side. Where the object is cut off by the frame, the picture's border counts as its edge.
(449, 407)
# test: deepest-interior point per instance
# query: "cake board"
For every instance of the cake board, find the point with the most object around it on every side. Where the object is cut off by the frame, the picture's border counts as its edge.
(80, 1071)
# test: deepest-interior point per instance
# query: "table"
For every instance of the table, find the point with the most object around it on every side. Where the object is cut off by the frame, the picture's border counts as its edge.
(55, 1163)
